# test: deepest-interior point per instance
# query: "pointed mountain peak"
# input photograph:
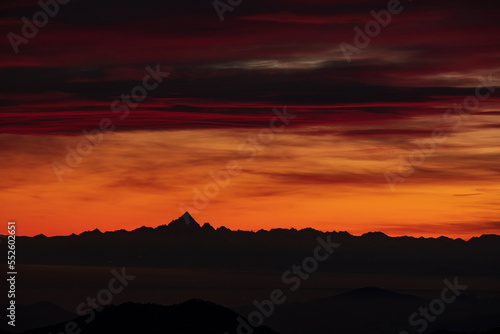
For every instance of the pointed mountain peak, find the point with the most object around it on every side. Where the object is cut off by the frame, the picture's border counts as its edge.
(184, 222)
(187, 217)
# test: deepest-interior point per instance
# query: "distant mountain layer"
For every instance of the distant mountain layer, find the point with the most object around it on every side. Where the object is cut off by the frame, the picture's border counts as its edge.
(184, 243)
(191, 317)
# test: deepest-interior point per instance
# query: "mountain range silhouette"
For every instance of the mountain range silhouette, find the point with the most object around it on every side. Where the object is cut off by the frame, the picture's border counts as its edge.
(185, 244)
(190, 250)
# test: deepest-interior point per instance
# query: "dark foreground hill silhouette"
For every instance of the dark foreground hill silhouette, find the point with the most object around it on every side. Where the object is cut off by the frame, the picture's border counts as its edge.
(185, 244)
(379, 311)
(366, 310)
(191, 317)
(490, 331)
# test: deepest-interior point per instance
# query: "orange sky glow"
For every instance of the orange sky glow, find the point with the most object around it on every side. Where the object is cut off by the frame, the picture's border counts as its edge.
(304, 177)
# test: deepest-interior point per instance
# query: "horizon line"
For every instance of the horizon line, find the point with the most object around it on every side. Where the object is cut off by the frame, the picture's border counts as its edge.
(252, 231)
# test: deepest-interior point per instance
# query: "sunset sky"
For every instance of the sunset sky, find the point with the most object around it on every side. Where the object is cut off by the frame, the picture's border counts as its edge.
(352, 125)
